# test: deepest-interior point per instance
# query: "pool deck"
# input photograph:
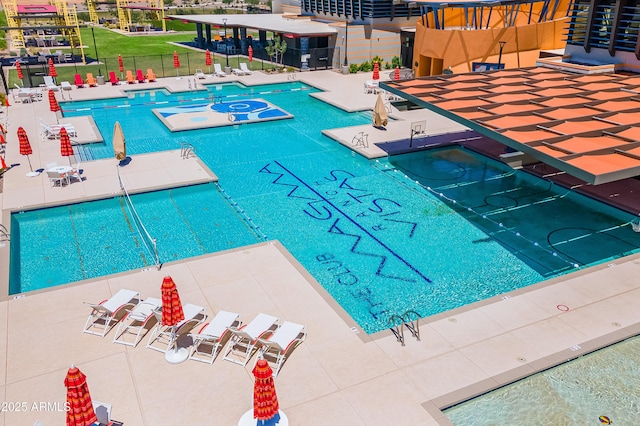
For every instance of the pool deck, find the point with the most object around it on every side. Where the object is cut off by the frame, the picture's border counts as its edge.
(339, 375)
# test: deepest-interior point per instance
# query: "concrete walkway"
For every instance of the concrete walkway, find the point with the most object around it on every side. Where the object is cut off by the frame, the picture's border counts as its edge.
(338, 375)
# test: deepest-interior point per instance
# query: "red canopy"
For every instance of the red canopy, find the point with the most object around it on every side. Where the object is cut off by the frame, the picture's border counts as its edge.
(250, 52)
(19, 70)
(376, 71)
(52, 69)
(54, 106)
(79, 400)
(396, 74)
(207, 58)
(265, 400)
(66, 150)
(172, 312)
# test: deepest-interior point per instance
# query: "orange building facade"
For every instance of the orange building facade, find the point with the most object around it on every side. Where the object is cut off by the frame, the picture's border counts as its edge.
(454, 36)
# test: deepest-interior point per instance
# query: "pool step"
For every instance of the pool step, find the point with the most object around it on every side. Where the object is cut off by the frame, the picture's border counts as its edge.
(410, 320)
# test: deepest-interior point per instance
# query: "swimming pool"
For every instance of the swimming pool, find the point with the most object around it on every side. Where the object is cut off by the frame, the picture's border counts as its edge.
(579, 392)
(380, 243)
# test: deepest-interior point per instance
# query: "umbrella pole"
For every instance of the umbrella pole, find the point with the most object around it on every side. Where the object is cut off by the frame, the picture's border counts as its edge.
(175, 355)
(30, 168)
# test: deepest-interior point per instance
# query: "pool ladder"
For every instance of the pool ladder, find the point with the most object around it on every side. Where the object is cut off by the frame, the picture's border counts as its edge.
(4, 233)
(410, 320)
(186, 149)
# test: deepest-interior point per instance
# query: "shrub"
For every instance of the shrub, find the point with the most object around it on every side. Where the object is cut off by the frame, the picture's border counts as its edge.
(365, 66)
(387, 65)
(353, 68)
(395, 62)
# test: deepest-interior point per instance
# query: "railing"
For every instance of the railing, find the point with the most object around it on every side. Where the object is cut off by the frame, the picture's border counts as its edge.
(4, 233)
(186, 149)
(409, 319)
(142, 231)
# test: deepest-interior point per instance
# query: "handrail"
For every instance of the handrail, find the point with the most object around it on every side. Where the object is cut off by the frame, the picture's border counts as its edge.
(4, 233)
(186, 149)
(139, 225)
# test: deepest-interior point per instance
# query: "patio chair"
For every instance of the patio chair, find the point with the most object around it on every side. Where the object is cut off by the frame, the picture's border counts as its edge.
(137, 322)
(76, 172)
(106, 313)
(361, 139)
(91, 80)
(78, 81)
(212, 336)
(245, 69)
(140, 76)
(151, 75)
(129, 77)
(65, 85)
(162, 337)
(49, 83)
(25, 97)
(244, 339)
(57, 178)
(113, 79)
(217, 69)
(199, 74)
(52, 131)
(280, 344)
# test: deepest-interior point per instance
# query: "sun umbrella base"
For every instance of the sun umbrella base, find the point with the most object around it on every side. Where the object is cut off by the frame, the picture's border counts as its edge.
(176, 356)
(248, 420)
(33, 174)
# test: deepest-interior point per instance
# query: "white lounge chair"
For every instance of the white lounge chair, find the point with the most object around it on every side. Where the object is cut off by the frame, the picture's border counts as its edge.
(244, 339)
(52, 131)
(217, 69)
(280, 344)
(237, 71)
(162, 337)
(49, 83)
(244, 69)
(107, 312)
(211, 337)
(66, 85)
(199, 74)
(57, 178)
(136, 321)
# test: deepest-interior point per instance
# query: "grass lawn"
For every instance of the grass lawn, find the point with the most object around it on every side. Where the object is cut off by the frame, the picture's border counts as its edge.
(138, 52)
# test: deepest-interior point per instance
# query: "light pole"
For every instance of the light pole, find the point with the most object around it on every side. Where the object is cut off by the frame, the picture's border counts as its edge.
(226, 48)
(346, 38)
(502, 43)
(96, 49)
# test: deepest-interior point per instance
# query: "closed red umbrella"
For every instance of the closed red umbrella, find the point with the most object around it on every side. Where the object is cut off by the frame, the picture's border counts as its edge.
(54, 106)
(25, 149)
(176, 62)
(250, 52)
(265, 400)
(66, 150)
(3, 165)
(19, 71)
(376, 71)
(396, 74)
(52, 69)
(120, 65)
(172, 314)
(80, 412)
(207, 59)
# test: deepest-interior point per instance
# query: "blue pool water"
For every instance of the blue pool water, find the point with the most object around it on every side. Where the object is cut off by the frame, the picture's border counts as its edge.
(605, 383)
(380, 243)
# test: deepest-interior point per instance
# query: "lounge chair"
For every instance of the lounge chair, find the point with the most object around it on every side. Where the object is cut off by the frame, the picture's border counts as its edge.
(52, 131)
(244, 69)
(65, 85)
(244, 339)
(199, 74)
(218, 71)
(25, 97)
(237, 71)
(113, 79)
(49, 83)
(162, 338)
(280, 344)
(140, 76)
(136, 321)
(105, 314)
(212, 336)
(130, 78)
(150, 75)
(91, 80)
(78, 81)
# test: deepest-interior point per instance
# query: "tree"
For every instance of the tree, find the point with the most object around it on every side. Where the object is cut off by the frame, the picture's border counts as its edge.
(276, 47)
